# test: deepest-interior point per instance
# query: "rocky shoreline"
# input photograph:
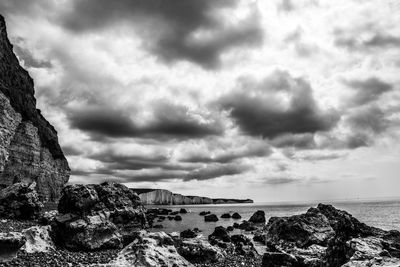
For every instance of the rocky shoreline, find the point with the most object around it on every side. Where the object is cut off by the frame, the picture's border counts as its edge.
(107, 225)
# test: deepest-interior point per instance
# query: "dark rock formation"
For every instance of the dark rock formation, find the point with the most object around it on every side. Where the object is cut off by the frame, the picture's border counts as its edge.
(247, 226)
(20, 201)
(220, 233)
(29, 149)
(183, 211)
(98, 216)
(226, 216)
(203, 213)
(188, 234)
(258, 217)
(211, 218)
(236, 216)
(196, 250)
(178, 218)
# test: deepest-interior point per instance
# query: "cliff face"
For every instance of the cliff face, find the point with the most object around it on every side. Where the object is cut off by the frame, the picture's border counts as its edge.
(165, 197)
(29, 149)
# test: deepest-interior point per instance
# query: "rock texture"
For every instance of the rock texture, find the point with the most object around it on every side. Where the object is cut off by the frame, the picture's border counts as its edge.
(98, 216)
(29, 149)
(20, 201)
(38, 240)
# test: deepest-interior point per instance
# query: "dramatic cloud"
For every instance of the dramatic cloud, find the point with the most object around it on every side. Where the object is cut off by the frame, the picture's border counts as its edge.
(279, 104)
(167, 121)
(216, 170)
(180, 29)
(367, 90)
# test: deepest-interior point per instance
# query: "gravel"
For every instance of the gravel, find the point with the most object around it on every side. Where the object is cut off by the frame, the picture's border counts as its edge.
(233, 260)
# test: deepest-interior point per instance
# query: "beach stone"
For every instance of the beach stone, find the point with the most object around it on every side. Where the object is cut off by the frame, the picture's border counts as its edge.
(10, 243)
(204, 213)
(220, 233)
(183, 211)
(20, 201)
(188, 234)
(178, 218)
(226, 216)
(197, 250)
(158, 226)
(210, 218)
(258, 217)
(247, 226)
(38, 239)
(230, 228)
(150, 249)
(236, 216)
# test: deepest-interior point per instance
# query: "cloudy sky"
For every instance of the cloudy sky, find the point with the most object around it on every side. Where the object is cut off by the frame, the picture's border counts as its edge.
(271, 100)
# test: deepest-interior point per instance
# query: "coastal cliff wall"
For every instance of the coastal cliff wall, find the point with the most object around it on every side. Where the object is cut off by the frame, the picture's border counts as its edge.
(165, 197)
(29, 148)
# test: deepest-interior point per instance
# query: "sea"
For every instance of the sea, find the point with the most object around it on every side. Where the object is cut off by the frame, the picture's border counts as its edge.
(381, 214)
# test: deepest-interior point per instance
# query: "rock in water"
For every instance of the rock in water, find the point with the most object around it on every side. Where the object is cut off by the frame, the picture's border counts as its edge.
(236, 216)
(150, 249)
(211, 218)
(20, 201)
(258, 217)
(29, 149)
(98, 216)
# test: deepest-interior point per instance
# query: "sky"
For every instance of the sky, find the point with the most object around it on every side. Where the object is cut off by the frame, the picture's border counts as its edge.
(271, 100)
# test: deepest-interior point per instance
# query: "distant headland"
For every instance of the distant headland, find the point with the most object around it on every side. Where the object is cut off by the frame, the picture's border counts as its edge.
(165, 197)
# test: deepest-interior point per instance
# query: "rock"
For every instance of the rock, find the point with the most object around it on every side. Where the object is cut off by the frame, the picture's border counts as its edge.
(199, 251)
(258, 217)
(236, 225)
(38, 239)
(279, 259)
(174, 213)
(226, 216)
(10, 243)
(29, 148)
(170, 218)
(20, 201)
(188, 234)
(98, 216)
(158, 226)
(302, 230)
(243, 245)
(178, 218)
(150, 249)
(183, 211)
(211, 218)
(219, 233)
(204, 213)
(48, 217)
(230, 228)
(236, 216)
(247, 226)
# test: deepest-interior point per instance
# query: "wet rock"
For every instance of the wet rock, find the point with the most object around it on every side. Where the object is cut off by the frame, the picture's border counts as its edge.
(247, 226)
(178, 218)
(230, 228)
(226, 216)
(258, 217)
(188, 234)
(38, 239)
(203, 213)
(158, 226)
(20, 201)
(236, 216)
(183, 211)
(211, 218)
(243, 245)
(220, 233)
(199, 251)
(174, 213)
(150, 249)
(236, 225)
(10, 243)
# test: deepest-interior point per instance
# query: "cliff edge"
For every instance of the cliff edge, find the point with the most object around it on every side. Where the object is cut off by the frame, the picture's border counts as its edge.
(29, 148)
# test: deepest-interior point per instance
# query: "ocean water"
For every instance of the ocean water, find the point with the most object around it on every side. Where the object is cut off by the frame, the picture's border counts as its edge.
(382, 214)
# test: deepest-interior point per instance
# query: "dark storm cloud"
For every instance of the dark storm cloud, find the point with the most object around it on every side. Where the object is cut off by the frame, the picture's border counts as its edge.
(169, 121)
(368, 119)
(215, 170)
(367, 90)
(169, 26)
(301, 141)
(255, 108)
(229, 156)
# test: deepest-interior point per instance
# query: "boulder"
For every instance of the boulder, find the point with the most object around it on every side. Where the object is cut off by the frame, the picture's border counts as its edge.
(230, 228)
(38, 239)
(98, 216)
(258, 217)
(220, 233)
(10, 243)
(204, 213)
(197, 250)
(48, 217)
(20, 201)
(174, 213)
(226, 216)
(158, 226)
(150, 249)
(178, 218)
(211, 218)
(188, 234)
(183, 211)
(247, 226)
(236, 216)
(243, 245)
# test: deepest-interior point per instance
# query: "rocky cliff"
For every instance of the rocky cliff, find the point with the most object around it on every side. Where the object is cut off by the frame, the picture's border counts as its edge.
(165, 197)
(29, 149)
